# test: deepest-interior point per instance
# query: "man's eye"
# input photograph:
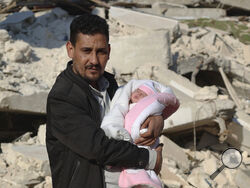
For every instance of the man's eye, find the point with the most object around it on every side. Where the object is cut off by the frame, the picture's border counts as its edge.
(86, 50)
(102, 52)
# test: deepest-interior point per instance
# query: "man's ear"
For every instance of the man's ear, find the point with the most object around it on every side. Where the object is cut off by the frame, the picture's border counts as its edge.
(70, 49)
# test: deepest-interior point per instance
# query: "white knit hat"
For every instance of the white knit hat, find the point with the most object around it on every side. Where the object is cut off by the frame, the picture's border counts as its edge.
(148, 88)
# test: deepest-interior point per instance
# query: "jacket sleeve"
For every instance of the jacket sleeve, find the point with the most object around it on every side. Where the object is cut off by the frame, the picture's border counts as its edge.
(74, 128)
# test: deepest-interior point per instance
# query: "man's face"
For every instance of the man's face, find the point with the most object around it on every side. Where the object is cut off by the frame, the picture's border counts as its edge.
(90, 55)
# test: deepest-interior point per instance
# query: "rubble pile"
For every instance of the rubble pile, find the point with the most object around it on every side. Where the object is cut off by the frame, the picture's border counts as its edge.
(205, 61)
(24, 162)
(26, 50)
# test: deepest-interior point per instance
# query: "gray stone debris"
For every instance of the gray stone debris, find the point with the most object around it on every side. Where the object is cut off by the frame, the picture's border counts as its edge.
(243, 4)
(32, 54)
(194, 13)
(142, 20)
(242, 178)
(138, 50)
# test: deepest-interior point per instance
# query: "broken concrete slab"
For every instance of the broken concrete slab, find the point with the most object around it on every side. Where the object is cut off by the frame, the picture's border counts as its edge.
(143, 20)
(246, 52)
(243, 4)
(174, 152)
(170, 178)
(183, 88)
(18, 17)
(35, 103)
(242, 178)
(243, 119)
(195, 13)
(195, 111)
(18, 20)
(239, 135)
(199, 112)
(41, 135)
(18, 51)
(207, 93)
(207, 140)
(21, 178)
(180, 2)
(27, 157)
(138, 50)
(99, 12)
(200, 179)
(59, 12)
(162, 7)
(3, 166)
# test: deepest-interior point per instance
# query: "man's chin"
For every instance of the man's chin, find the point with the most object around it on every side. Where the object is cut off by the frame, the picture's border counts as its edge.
(93, 77)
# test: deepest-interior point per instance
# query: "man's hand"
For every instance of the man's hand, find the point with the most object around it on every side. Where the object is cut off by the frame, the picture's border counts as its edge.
(158, 163)
(154, 124)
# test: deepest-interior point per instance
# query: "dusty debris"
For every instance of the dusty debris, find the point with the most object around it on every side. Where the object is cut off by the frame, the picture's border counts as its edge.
(192, 136)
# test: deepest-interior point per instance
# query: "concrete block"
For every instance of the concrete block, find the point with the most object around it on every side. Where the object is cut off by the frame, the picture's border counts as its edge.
(242, 178)
(3, 166)
(210, 165)
(59, 12)
(195, 13)
(147, 11)
(207, 93)
(197, 112)
(18, 21)
(99, 12)
(41, 135)
(18, 51)
(17, 178)
(239, 135)
(35, 103)
(174, 152)
(18, 17)
(180, 2)
(243, 4)
(4, 35)
(45, 184)
(137, 50)
(27, 157)
(183, 88)
(162, 7)
(170, 178)
(207, 140)
(142, 20)
(200, 179)
(246, 51)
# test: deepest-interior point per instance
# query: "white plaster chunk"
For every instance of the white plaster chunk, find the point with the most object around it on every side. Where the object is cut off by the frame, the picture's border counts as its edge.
(41, 135)
(28, 157)
(18, 51)
(207, 93)
(4, 35)
(200, 179)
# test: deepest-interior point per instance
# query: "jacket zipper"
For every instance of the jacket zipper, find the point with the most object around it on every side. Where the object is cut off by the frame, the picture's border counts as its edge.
(74, 173)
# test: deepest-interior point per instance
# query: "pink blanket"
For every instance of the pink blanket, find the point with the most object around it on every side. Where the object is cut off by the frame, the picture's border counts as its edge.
(121, 123)
(155, 104)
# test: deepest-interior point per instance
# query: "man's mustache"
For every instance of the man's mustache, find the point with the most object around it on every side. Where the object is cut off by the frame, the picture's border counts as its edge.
(91, 66)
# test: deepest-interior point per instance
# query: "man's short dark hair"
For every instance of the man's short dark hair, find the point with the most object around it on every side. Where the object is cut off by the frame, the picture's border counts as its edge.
(88, 24)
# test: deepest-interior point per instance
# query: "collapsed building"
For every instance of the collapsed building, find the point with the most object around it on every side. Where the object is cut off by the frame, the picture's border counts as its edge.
(207, 68)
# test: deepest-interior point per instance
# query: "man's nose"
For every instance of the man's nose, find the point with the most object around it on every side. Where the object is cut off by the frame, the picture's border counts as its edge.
(94, 58)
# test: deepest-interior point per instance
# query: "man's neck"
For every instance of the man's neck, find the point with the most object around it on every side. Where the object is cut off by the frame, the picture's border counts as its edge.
(94, 85)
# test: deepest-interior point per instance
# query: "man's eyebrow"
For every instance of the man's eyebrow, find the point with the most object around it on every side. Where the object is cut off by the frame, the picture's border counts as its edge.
(86, 48)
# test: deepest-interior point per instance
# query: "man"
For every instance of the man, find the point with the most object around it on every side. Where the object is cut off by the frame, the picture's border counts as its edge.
(77, 147)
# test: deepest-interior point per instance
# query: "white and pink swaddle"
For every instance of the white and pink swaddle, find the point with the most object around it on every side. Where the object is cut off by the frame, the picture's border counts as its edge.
(159, 100)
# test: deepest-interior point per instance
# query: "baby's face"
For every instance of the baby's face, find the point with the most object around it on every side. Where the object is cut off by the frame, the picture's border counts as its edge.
(137, 95)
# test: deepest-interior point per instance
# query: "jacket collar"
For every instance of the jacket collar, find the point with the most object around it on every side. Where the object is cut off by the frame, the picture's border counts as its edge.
(82, 82)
